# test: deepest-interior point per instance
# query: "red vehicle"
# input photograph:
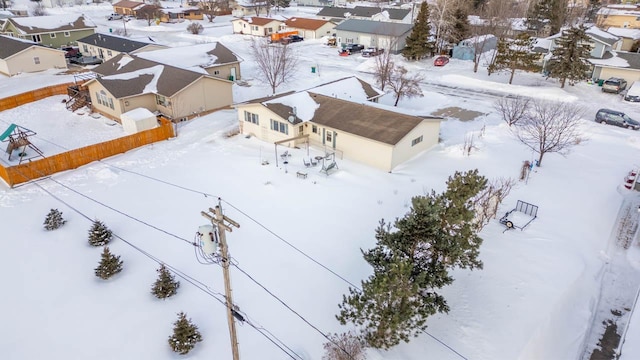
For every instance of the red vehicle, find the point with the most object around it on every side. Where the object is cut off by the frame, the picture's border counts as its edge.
(441, 61)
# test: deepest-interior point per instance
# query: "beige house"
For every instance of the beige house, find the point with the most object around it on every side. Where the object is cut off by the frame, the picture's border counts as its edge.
(127, 7)
(212, 58)
(176, 15)
(107, 46)
(630, 38)
(309, 28)
(19, 56)
(618, 16)
(53, 31)
(127, 82)
(620, 64)
(256, 26)
(359, 130)
(242, 8)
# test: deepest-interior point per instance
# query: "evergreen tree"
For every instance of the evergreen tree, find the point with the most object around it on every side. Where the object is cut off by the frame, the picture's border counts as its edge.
(460, 29)
(99, 234)
(109, 265)
(411, 261)
(418, 43)
(185, 335)
(54, 220)
(512, 55)
(547, 12)
(278, 4)
(166, 285)
(569, 58)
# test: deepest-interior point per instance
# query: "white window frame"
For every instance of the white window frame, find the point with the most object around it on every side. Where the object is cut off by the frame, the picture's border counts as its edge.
(251, 117)
(67, 34)
(417, 140)
(36, 38)
(52, 35)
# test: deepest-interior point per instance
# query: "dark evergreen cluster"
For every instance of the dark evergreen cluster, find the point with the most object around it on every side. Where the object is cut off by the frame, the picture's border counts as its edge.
(461, 28)
(185, 335)
(99, 234)
(569, 58)
(411, 261)
(547, 12)
(109, 265)
(516, 54)
(54, 220)
(166, 285)
(418, 43)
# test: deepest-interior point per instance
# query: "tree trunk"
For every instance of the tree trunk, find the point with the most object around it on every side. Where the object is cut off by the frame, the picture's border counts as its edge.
(513, 71)
(562, 82)
(540, 159)
(397, 99)
(476, 62)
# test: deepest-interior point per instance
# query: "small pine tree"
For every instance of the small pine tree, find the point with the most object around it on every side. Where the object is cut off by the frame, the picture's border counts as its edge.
(418, 45)
(461, 28)
(109, 265)
(569, 58)
(516, 54)
(99, 234)
(185, 335)
(166, 285)
(54, 220)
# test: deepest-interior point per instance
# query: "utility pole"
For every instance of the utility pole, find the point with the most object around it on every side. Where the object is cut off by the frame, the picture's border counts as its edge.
(218, 221)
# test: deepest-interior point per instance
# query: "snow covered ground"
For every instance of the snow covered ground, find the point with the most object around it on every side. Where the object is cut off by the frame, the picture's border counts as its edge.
(536, 297)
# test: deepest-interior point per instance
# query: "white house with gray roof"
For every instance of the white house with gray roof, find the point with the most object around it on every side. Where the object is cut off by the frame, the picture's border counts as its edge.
(107, 46)
(388, 14)
(620, 64)
(601, 41)
(19, 56)
(351, 127)
(381, 34)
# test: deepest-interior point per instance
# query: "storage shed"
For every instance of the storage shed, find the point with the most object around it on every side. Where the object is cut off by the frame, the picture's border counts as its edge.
(137, 120)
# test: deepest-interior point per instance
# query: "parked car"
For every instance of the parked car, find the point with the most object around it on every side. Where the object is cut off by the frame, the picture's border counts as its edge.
(70, 51)
(114, 16)
(633, 94)
(614, 85)
(617, 118)
(441, 61)
(369, 52)
(86, 60)
(291, 39)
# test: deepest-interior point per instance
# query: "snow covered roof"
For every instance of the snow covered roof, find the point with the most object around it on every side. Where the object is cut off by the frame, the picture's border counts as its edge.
(362, 11)
(541, 45)
(339, 104)
(194, 57)
(128, 75)
(618, 59)
(616, 11)
(374, 27)
(52, 23)
(304, 23)
(116, 43)
(602, 36)
(260, 21)
(625, 32)
(128, 4)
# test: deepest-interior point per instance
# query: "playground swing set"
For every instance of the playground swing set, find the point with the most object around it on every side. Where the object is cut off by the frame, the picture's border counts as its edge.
(17, 138)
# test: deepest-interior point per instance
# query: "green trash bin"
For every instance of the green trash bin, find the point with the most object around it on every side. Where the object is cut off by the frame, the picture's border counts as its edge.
(313, 69)
(600, 82)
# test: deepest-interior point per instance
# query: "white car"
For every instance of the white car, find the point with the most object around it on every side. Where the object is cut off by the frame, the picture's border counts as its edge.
(114, 16)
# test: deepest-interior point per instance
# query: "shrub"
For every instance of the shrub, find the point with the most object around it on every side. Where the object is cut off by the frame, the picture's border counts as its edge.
(185, 335)
(166, 285)
(109, 265)
(99, 234)
(54, 220)
(195, 28)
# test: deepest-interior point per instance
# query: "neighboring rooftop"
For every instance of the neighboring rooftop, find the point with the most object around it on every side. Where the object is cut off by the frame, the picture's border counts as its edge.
(257, 20)
(128, 4)
(374, 27)
(46, 24)
(620, 59)
(362, 11)
(304, 23)
(116, 43)
(602, 35)
(10, 46)
(193, 57)
(625, 32)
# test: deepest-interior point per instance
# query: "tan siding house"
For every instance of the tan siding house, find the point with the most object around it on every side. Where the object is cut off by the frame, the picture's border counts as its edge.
(256, 26)
(372, 134)
(20, 56)
(127, 7)
(106, 47)
(625, 65)
(618, 17)
(309, 28)
(127, 82)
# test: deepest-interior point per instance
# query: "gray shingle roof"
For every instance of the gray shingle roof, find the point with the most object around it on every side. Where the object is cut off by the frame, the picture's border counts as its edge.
(170, 81)
(116, 43)
(362, 11)
(632, 58)
(10, 46)
(374, 27)
(43, 24)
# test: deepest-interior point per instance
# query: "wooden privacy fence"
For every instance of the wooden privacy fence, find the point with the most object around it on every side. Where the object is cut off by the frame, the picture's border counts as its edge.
(18, 174)
(34, 95)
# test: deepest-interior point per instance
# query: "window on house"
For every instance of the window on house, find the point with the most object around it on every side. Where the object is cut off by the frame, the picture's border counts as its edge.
(67, 34)
(161, 100)
(329, 136)
(84, 48)
(36, 60)
(251, 117)
(254, 28)
(269, 30)
(108, 52)
(216, 72)
(98, 98)
(52, 35)
(280, 126)
(416, 141)
(314, 129)
(36, 38)
(111, 103)
(301, 128)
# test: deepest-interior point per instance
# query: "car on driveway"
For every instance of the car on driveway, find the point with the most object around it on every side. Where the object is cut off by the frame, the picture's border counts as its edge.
(372, 51)
(114, 16)
(617, 118)
(70, 51)
(349, 49)
(614, 85)
(441, 61)
(291, 39)
(86, 60)
(633, 94)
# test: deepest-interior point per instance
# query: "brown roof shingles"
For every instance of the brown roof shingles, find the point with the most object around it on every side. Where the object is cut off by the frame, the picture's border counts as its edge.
(259, 21)
(10, 46)
(303, 23)
(128, 4)
(78, 24)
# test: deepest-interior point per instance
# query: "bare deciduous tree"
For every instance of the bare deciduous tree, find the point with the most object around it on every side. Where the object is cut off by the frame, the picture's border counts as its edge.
(276, 62)
(148, 12)
(512, 109)
(209, 8)
(487, 202)
(384, 66)
(550, 127)
(404, 85)
(345, 346)
(495, 19)
(38, 9)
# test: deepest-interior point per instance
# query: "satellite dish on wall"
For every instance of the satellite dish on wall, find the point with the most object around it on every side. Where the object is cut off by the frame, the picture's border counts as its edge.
(292, 118)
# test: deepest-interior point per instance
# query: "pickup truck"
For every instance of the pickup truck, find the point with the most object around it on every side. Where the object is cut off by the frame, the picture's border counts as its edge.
(372, 52)
(350, 49)
(114, 16)
(291, 39)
